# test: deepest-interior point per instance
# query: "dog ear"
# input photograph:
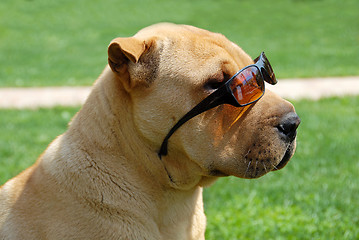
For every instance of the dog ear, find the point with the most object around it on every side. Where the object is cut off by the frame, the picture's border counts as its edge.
(122, 50)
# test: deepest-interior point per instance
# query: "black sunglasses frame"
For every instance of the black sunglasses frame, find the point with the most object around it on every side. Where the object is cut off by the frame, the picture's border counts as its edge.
(223, 95)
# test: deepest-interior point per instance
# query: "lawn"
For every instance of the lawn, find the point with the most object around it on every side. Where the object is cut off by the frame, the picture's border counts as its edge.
(64, 42)
(315, 197)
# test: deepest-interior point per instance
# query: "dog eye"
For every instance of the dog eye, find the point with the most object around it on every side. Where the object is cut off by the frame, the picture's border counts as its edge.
(215, 83)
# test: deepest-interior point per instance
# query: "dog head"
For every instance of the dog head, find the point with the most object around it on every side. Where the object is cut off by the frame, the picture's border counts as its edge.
(168, 69)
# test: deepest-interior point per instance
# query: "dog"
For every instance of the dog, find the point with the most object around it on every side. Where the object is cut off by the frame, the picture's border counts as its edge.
(104, 177)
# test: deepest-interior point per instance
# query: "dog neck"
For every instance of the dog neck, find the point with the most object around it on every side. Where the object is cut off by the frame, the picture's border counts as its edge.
(104, 129)
(98, 162)
(104, 137)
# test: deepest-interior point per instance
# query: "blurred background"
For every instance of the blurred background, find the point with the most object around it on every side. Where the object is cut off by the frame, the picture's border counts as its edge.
(64, 43)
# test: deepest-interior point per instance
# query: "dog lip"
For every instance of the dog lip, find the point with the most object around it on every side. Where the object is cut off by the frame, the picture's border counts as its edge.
(286, 158)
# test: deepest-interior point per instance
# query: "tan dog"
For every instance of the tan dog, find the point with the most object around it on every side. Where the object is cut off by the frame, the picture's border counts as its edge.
(103, 178)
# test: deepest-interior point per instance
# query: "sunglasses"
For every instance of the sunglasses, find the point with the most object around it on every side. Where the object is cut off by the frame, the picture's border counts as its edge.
(244, 88)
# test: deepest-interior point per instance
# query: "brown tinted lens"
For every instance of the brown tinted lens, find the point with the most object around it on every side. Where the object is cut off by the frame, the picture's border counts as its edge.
(247, 86)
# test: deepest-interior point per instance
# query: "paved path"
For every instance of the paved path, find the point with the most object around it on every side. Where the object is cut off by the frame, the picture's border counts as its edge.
(316, 88)
(292, 89)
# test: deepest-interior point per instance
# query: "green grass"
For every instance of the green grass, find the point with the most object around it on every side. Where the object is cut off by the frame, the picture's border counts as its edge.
(25, 135)
(64, 42)
(315, 197)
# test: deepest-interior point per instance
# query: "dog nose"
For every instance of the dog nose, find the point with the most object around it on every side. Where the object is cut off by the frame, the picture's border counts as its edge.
(288, 126)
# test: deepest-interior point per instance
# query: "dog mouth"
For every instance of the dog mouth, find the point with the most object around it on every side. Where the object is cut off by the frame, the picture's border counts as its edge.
(287, 156)
(257, 167)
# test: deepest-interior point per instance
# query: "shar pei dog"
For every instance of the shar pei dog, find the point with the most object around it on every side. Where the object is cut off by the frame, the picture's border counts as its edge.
(176, 108)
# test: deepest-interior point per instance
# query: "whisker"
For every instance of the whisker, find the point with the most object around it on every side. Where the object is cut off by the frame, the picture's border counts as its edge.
(265, 169)
(249, 163)
(256, 169)
(274, 166)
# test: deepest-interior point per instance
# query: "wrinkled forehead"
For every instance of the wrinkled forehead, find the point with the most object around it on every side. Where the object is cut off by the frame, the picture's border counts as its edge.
(198, 44)
(187, 49)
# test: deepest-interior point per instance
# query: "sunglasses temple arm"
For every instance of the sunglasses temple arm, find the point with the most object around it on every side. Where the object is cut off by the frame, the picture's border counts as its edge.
(211, 101)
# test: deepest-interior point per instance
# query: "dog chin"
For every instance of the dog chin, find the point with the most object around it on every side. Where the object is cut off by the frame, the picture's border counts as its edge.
(259, 168)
